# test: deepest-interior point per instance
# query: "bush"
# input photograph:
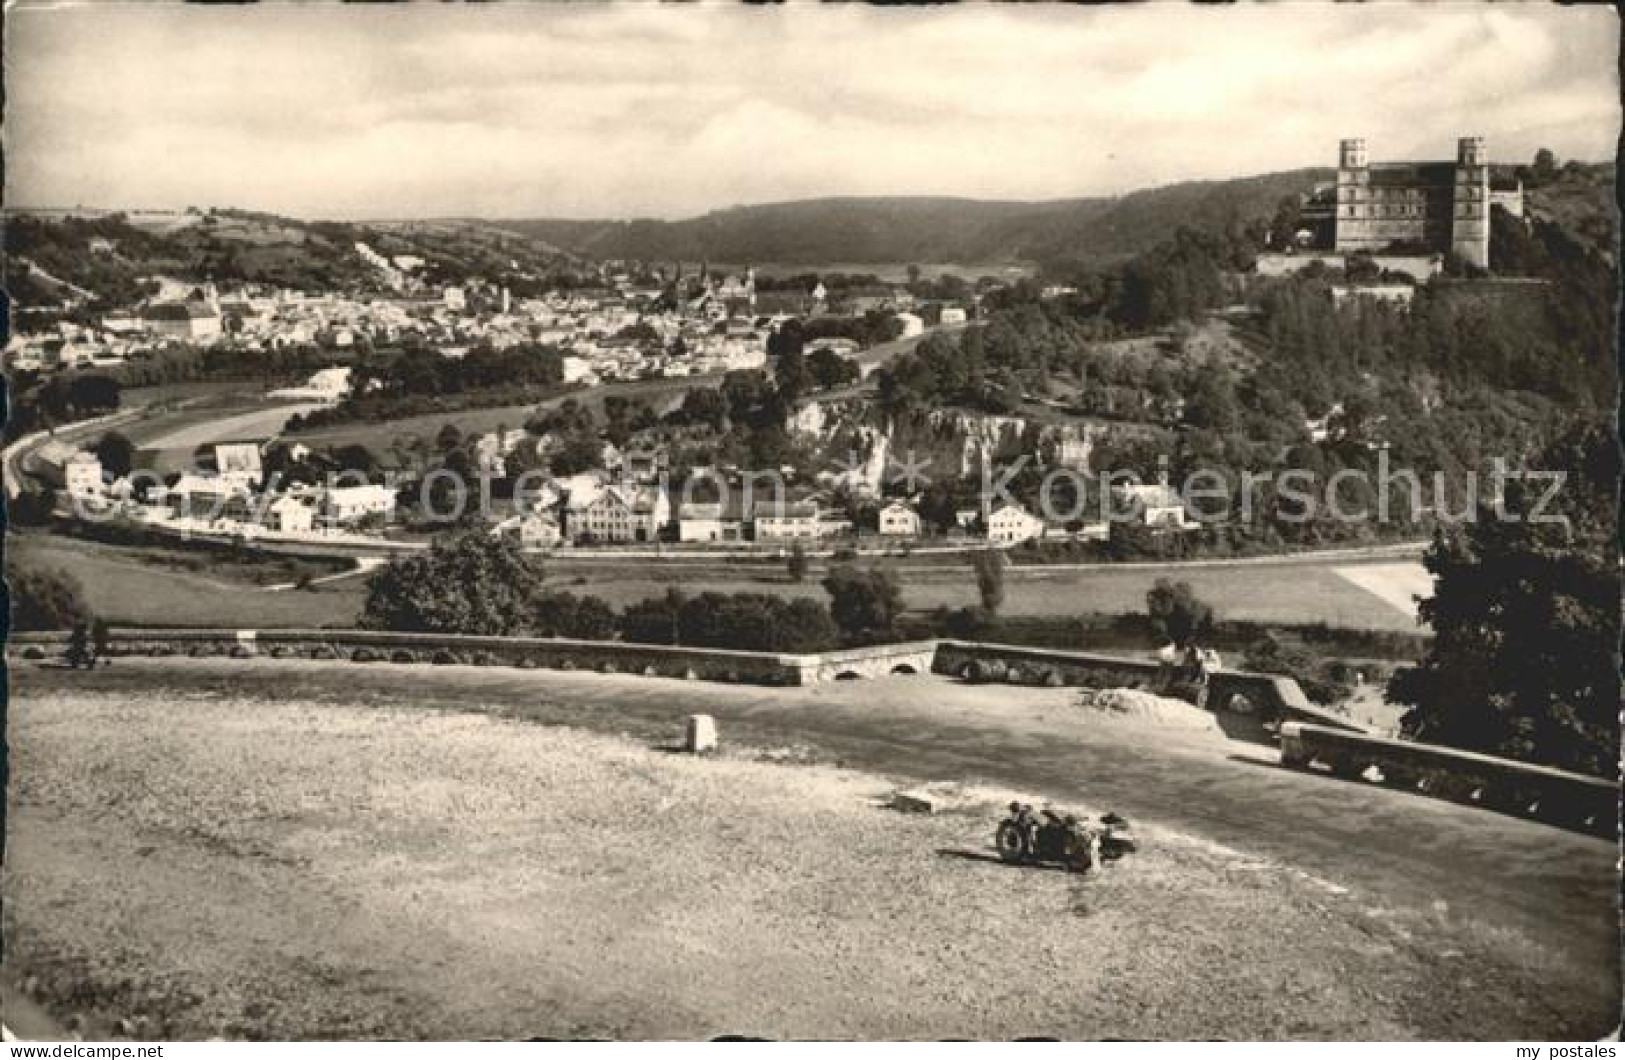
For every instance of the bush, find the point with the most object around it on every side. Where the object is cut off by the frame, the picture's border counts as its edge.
(472, 584)
(363, 655)
(963, 622)
(403, 656)
(864, 603)
(323, 651)
(446, 657)
(43, 599)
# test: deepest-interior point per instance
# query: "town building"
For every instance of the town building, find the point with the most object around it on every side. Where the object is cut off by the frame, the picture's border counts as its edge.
(1011, 525)
(707, 521)
(346, 505)
(290, 515)
(785, 521)
(1155, 505)
(82, 476)
(618, 514)
(240, 461)
(899, 520)
(191, 321)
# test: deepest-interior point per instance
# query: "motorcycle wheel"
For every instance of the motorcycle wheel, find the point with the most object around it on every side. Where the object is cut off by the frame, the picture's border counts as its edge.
(1011, 843)
(1080, 858)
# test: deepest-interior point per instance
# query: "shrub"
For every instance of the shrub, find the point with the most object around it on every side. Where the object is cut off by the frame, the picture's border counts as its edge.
(446, 657)
(363, 655)
(323, 651)
(473, 584)
(44, 599)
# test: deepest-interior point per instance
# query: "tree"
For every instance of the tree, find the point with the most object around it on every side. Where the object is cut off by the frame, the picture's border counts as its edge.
(44, 599)
(655, 620)
(989, 567)
(796, 563)
(1526, 621)
(864, 603)
(791, 375)
(473, 583)
(1176, 613)
(569, 615)
(116, 453)
(754, 622)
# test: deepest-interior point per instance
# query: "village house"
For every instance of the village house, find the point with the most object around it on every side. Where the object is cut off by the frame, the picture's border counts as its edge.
(1156, 505)
(897, 519)
(290, 515)
(82, 476)
(618, 514)
(785, 521)
(347, 505)
(705, 521)
(1011, 525)
(191, 321)
(537, 529)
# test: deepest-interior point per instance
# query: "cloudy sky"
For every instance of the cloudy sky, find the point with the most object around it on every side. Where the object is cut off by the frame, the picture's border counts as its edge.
(635, 109)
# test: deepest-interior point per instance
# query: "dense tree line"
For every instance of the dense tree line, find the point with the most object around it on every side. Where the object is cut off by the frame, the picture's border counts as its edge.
(421, 379)
(476, 583)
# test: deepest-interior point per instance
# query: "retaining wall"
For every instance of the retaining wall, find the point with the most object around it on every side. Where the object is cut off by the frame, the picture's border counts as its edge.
(703, 664)
(1268, 699)
(1571, 800)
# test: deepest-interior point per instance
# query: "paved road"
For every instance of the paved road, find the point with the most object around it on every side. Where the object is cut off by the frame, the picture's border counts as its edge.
(1386, 849)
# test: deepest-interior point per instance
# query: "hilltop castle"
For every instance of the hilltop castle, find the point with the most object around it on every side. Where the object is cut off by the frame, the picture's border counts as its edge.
(1418, 207)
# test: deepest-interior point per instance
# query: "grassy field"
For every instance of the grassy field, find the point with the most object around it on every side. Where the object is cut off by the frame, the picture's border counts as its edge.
(1298, 592)
(154, 587)
(318, 828)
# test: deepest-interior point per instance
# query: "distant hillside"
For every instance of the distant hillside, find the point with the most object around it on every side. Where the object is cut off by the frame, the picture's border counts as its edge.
(967, 231)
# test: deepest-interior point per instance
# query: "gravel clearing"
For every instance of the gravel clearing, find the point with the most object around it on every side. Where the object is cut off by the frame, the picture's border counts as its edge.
(190, 864)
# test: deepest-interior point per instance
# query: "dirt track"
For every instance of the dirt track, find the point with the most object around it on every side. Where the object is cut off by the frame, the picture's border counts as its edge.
(430, 868)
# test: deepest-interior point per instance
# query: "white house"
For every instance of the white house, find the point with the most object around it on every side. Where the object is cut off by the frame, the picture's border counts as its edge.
(619, 513)
(290, 515)
(1011, 525)
(239, 461)
(912, 324)
(952, 315)
(534, 530)
(343, 505)
(785, 521)
(1154, 505)
(899, 520)
(82, 476)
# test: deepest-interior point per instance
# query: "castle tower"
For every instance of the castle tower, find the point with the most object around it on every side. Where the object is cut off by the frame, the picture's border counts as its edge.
(1470, 203)
(1351, 225)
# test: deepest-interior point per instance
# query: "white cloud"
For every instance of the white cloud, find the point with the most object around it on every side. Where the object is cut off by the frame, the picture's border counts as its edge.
(578, 109)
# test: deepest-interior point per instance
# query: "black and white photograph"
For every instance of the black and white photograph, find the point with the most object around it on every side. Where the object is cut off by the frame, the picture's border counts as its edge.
(676, 522)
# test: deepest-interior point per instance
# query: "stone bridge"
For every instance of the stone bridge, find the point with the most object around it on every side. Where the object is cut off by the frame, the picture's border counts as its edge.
(878, 660)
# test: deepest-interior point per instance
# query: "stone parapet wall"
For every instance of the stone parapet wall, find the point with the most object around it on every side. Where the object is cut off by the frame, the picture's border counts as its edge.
(1266, 699)
(1571, 800)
